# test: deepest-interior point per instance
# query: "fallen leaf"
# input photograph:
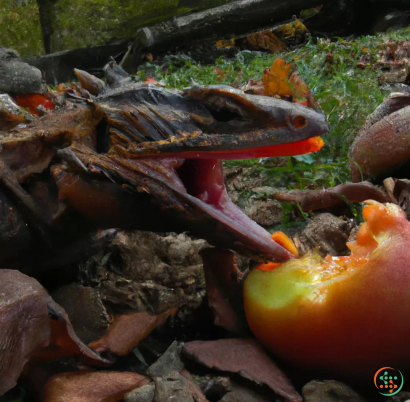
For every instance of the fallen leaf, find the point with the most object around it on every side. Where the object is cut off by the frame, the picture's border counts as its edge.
(276, 79)
(300, 90)
(64, 342)
(330, 58)
(280, 80)
(225, 43)
(291, 29)
(224, 289)
(34, 327)
(128, 330)
(246, 357)
(265, 40)
(86, 386)
(219, 73)
(389, 185)
(24, 324)
(310, 200)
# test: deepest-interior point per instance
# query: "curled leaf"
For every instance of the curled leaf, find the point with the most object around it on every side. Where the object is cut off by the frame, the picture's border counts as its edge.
(86, 386)
(23, 323)
(64, 342)
(34, 327)
(245, 357)
(224, 289)
(265, 40)
(128, 330)
(276, 79)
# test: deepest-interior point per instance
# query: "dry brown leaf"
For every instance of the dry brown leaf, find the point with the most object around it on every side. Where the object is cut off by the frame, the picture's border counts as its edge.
(225, 43)
(246, 357)
(34, 327)
(300, 90)
(219, 73)
(224, 289)
(23, 323)
(64, 342)
(86, 386)
(128, 330)
(276, 79)
(265, 40)
(281, 81)
(291, 29)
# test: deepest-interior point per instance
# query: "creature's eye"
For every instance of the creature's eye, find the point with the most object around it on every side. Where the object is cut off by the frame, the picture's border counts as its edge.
(299, 122)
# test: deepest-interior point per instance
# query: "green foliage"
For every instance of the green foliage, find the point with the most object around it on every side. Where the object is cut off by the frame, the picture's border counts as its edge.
(82, 23)
(346, 93)
(179, 71)
(78, 23)
(20, 27)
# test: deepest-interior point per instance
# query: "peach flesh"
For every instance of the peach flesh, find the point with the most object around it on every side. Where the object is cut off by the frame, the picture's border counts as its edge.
(341, 315)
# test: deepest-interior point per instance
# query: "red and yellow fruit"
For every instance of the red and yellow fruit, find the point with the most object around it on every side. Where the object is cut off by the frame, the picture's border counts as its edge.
(346, 315)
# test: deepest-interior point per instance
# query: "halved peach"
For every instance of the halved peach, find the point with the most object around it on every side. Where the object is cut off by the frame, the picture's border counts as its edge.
(346, 315)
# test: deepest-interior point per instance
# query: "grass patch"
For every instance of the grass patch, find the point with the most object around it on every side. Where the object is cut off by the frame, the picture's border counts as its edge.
(347, 94)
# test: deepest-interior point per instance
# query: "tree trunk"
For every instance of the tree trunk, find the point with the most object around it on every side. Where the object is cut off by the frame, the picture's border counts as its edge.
(47, 16)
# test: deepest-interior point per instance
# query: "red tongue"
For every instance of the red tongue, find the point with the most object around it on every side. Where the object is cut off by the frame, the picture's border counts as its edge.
(203, 178)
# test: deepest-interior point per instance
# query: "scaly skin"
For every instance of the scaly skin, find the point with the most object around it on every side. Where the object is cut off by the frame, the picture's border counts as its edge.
(147, 157)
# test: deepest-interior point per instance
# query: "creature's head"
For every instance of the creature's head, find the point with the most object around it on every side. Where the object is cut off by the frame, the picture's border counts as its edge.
(146, 126)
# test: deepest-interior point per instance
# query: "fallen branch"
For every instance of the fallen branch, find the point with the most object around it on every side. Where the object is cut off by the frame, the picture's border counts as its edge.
(318, 199)
(230, 20)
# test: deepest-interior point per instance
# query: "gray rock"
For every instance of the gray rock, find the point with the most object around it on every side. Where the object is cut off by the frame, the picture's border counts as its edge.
(400, 397)
(242, 394)
(149, 272)
(16, 76)
(326, 231)
(264, 212)
(168, 363)
(329, 391)
(173, 387)
(213, 387)
(85, 310)
(142, 394)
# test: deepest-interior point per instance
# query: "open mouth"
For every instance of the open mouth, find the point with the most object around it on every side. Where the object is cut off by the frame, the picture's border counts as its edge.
(184, 194)
(169, 145)
(203, 180)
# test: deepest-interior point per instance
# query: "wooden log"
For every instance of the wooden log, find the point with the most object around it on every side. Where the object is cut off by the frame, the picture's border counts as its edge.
(59, 67)
(230, 20)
